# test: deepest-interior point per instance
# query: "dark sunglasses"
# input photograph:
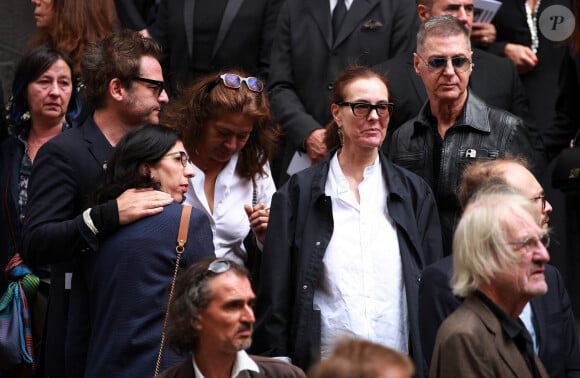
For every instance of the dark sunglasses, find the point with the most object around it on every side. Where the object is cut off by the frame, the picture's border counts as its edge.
(183, 157)
(363, 109)
(459, 63)
(159, 85)
(235, 81)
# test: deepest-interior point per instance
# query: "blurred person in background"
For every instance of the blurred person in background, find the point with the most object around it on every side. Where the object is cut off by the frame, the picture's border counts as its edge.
(363, 359)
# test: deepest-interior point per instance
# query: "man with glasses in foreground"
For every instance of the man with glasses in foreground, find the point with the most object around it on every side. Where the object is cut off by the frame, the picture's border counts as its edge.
(499, 261)
(212, 317)
(124, 84)
(555, 342)
(454, 126)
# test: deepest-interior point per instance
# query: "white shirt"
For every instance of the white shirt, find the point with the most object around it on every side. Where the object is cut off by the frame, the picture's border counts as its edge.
(361, 291)
(527, 317)
(229, 221)
(347, 3)
(243, 365)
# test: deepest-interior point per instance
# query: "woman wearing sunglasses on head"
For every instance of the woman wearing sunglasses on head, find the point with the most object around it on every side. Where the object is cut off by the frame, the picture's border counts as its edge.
(119, 294)
(347, 239)
(228, 131)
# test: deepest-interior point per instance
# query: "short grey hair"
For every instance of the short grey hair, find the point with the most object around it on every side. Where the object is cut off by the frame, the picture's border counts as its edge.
(441, 26)
(480, 249)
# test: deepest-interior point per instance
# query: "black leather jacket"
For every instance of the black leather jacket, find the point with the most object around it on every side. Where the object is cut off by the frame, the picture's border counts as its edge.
(479, 133)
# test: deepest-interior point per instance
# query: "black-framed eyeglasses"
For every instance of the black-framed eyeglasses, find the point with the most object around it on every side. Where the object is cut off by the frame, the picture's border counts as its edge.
(183, 157)
(235, 81)
(159, 85)
(362, 109)
(542, 198)
(532, 241)
(219, 266)
(459, 63)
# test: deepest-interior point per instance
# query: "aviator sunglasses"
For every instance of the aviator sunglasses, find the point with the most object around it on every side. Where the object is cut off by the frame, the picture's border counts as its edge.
(459, 63)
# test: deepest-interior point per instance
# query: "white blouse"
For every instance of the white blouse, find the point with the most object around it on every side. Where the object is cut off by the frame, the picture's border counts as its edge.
(229, 222)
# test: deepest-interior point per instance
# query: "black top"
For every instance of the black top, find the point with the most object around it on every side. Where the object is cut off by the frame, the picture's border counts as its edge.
(516, 331)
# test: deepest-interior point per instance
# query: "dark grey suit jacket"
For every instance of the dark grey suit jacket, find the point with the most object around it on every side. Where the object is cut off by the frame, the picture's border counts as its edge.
(305, 60)
(471, 343)
(269, 368)
(243, 41)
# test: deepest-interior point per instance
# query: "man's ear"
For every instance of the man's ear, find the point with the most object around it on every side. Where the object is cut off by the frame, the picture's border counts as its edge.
(423, 12)
(116, 89)
(416, 62)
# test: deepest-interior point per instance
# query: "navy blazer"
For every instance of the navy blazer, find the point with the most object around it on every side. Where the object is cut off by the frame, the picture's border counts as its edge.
(554, 321)
(66, 170)
(120, 294)
(244, 38)
(306, 61)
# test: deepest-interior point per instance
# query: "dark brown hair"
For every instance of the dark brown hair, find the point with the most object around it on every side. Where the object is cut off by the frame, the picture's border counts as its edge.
(116, 56)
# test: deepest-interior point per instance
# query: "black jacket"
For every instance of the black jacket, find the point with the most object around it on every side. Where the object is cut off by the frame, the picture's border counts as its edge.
(480, 133)
(299, 230)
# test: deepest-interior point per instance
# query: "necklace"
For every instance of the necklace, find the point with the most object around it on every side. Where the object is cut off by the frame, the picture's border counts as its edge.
(532, 18)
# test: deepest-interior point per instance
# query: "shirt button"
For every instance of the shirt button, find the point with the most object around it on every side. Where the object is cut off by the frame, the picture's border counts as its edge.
(330, 86)
(317, 243)
(305, 287)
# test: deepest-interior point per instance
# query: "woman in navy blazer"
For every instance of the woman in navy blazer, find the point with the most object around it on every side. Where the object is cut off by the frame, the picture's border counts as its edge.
(120, 292)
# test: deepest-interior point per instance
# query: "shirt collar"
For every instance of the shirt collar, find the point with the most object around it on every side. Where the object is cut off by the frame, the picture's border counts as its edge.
(242, 364)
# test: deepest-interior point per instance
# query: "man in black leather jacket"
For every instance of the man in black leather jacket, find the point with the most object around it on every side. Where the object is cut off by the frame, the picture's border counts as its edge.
(454, 127)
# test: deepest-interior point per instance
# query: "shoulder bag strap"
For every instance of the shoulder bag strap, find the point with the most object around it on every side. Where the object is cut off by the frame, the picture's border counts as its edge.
(181, 240)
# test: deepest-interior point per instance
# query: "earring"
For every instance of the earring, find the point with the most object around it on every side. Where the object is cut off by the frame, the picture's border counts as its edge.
(340, 136)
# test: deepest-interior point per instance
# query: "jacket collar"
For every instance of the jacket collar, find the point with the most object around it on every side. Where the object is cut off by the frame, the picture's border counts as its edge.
(473, 115)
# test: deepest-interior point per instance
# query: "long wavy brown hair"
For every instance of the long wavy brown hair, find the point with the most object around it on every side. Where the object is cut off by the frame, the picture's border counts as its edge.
(76, 23)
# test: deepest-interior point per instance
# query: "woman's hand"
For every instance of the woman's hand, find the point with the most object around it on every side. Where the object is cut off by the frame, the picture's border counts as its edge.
(258, 217)
(522, 56)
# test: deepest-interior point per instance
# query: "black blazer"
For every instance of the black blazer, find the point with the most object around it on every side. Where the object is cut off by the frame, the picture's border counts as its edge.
(136, 14)
(554, 321)
(493, 79)
(306, 61)
(66, 169)
(243, 41)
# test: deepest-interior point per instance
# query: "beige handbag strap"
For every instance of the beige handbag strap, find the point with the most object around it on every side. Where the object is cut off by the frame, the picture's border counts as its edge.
(181, 240)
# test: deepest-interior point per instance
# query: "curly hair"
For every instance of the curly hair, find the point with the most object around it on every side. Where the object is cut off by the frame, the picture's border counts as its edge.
(33, 64)
(76, 23)
(116, 56)
(208, 100)
(145, 144)
(191, 294)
